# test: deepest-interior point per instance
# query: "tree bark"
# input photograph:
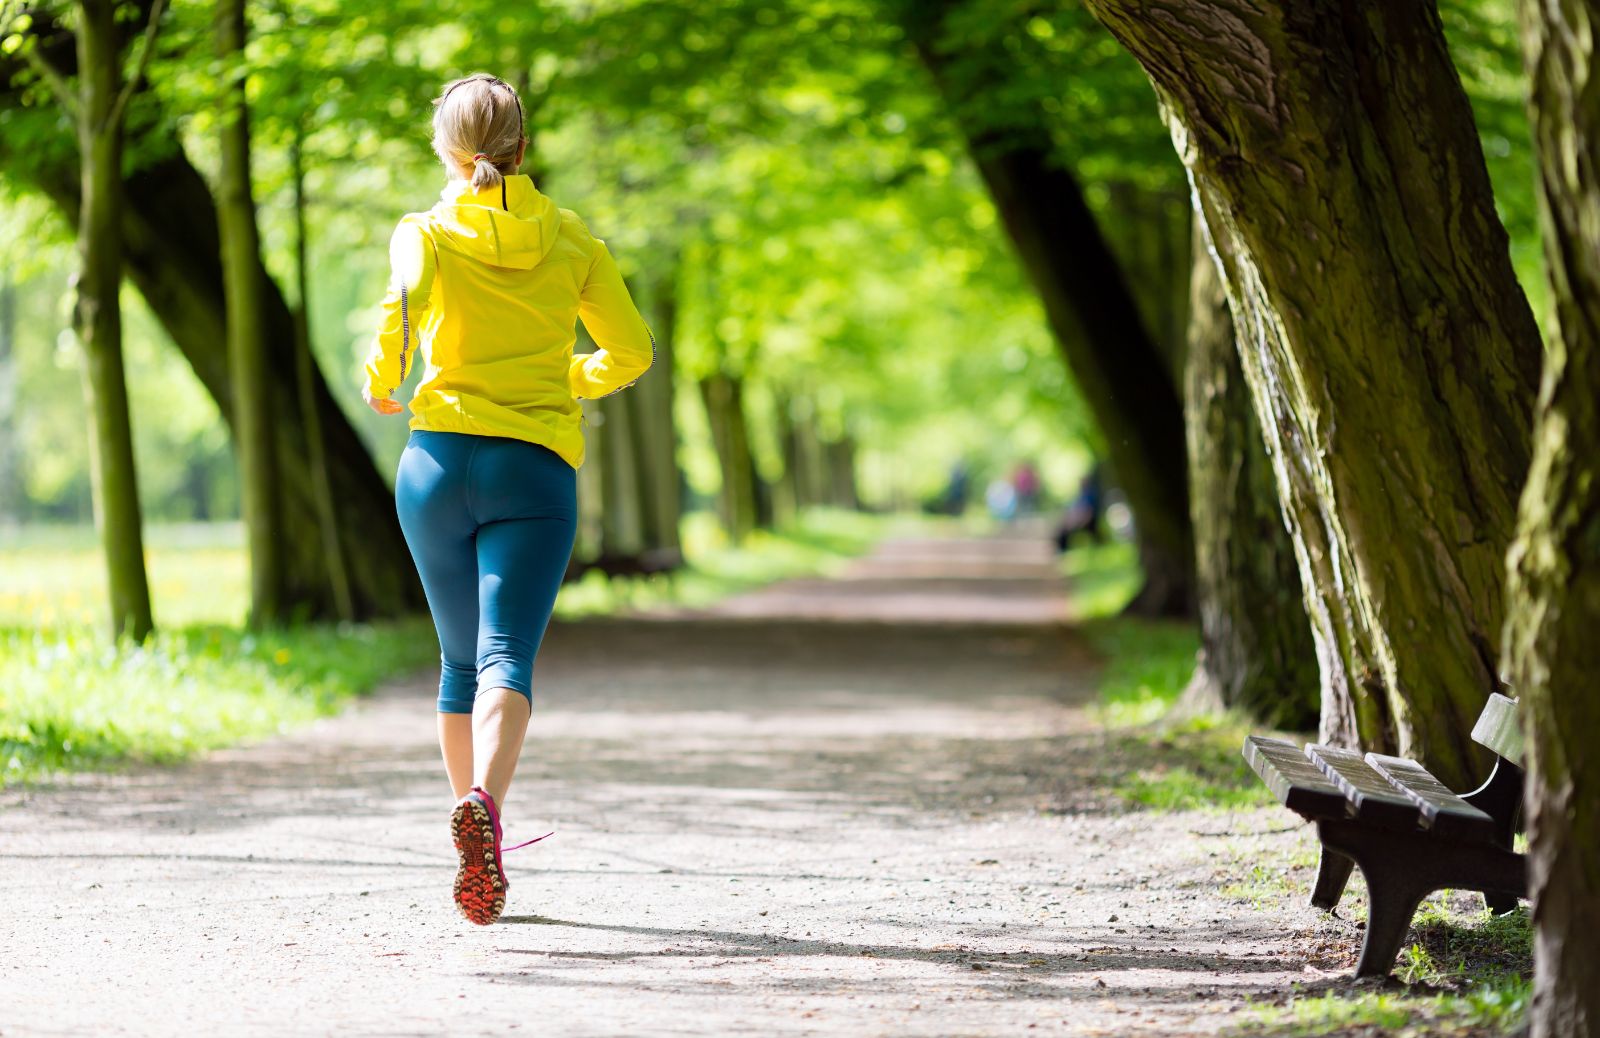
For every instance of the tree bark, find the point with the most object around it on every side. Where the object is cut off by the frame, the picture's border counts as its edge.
(11, 494)
(1123, 375)
(1552, 653)
(247, 349)
(723, 397)
(1390, 353)
(621, 509)
(1256, 653)
(840, 455)
(658, 431)
(307, 375)
(98, 317)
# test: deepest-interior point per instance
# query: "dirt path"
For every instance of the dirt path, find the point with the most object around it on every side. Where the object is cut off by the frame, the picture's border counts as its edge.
(821, 808)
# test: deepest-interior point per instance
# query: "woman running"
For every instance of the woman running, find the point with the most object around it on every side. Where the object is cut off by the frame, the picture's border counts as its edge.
(488, 283)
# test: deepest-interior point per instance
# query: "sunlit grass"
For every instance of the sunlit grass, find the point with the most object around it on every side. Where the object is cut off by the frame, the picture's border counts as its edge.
(1148, 665)
(70, 701)
(1193, 765)
(54, 577)
(1101, 578)
(1497, 1007)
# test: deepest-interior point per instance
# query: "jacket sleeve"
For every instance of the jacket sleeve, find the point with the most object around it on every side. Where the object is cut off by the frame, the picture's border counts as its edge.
(627, 348)
(412, 265)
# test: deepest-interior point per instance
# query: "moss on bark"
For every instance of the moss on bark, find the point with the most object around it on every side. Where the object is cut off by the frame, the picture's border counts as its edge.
(1552, 654)
(1390, 352)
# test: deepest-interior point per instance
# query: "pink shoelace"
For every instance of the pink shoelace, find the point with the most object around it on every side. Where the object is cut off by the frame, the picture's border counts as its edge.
(526, 843)
(494, 815)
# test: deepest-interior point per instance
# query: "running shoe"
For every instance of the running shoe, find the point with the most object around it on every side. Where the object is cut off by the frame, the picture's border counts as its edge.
(481, 884)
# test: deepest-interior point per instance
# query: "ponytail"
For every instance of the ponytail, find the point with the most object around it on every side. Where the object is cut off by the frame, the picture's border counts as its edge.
(485, 174)
(477, 129)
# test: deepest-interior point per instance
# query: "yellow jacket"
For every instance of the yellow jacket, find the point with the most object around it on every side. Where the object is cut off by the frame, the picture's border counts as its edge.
(489, 285)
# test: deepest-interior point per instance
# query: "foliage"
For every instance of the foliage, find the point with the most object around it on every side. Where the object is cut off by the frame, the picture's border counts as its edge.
(788, 165)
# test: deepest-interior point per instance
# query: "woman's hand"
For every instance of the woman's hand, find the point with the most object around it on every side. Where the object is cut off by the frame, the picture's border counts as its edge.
(381, 404)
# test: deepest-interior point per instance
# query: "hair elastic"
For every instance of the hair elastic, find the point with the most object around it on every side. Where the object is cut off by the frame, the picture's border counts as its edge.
(479, 155)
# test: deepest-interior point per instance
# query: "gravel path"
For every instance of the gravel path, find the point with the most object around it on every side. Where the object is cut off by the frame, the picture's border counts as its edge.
(859, 806)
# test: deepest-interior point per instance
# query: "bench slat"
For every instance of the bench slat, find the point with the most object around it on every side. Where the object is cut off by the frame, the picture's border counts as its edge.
(1374, 798)
(1293, 779)
(1497, 728)
(1442, 811)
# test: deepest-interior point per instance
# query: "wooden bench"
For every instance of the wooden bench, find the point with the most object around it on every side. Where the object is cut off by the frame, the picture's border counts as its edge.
(1408, 833)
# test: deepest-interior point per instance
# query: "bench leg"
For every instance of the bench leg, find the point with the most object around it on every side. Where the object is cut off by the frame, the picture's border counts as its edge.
(1392, 900)
(1333, 874)
(1403, 868)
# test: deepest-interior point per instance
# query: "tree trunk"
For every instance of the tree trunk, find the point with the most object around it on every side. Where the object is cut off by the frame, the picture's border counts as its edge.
(788, 493)
(1256, 652)
(724, 403)
(1123, 375)
(11, 502)
(98, 318)
(1551, 652)
(840, 457)
(658, 445)
(247, 350)
(1391, 354)
(307, 375)
(809, 456)
(621, 534)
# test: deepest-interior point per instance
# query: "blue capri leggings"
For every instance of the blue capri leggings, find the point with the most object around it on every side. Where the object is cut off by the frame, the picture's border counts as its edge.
(490, 523)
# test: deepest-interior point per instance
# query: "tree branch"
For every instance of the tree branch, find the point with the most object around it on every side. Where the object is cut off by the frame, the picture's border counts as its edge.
(132, 83)
(51, 75)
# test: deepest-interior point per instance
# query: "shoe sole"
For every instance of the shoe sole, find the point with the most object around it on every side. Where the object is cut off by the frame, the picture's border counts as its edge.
(480, 889)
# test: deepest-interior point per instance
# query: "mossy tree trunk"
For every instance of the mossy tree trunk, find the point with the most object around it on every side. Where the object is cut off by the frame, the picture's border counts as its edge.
(10, 455)
(247, 350)
(307, 376)
(621, 508)
(1390, 352)
(1123, 375)
(840, 457)
(101, 103)
(657, 431)
(1256, 652)
(723, 396)
(1552, 654)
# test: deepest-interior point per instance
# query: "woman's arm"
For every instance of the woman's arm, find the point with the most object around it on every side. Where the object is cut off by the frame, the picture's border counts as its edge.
(626, 346)
(412, 267)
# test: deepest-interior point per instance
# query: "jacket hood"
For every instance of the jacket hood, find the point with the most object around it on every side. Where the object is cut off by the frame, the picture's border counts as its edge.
(514, 227)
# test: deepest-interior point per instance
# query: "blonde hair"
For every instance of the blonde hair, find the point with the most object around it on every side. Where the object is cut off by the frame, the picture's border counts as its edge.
(477, 129)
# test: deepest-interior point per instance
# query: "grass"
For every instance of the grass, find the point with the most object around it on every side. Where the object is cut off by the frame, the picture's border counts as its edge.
(1464, 972)
(1103, 578)
(1493, 1008)
(1166, 765)
(71, 701)
(53, 577)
